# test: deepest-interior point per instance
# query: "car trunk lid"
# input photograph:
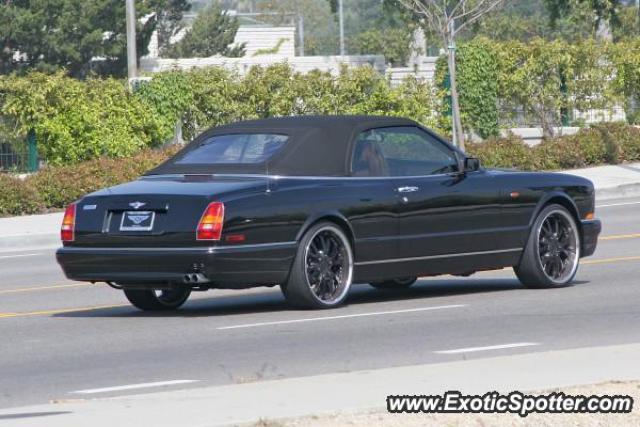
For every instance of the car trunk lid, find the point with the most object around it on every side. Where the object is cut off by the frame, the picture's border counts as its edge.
(156, 211)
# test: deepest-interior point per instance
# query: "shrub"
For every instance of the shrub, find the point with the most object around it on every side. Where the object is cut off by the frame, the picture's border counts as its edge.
(510, 152)
(607, 143)
(61, 185)
(478, 77)
(623, 142)
(78, 120)
(18, 197)
(559, 153)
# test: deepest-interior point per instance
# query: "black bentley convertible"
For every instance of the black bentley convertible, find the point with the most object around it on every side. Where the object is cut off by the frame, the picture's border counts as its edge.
(314, 204)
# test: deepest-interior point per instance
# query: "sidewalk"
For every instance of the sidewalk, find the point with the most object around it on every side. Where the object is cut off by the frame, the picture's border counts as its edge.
(354, 391)
(612, 181)
(30, 232)
(42, 231)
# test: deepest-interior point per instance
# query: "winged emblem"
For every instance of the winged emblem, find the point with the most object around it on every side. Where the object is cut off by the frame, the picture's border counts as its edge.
(138, 219)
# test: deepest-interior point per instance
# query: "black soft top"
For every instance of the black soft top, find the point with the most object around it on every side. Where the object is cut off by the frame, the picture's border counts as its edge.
(317, 145)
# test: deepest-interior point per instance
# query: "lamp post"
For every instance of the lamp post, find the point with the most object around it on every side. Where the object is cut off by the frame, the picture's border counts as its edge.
(132, 65)
(452, 60)
(341, 19)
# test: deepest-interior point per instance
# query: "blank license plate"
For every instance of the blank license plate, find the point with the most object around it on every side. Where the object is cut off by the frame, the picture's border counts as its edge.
(137, 221)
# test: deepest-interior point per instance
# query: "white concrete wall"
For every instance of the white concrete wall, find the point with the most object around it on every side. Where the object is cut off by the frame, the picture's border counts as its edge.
(261, 38)
(301, 64)
(533, 136)
(423, 69)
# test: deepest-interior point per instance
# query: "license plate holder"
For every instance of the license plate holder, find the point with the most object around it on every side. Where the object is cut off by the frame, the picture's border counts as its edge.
(137, 220)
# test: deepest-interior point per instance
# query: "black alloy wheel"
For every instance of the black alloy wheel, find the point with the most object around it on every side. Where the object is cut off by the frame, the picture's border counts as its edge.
(323, 270)
(157, 299)
(399, 283)
(552, 255)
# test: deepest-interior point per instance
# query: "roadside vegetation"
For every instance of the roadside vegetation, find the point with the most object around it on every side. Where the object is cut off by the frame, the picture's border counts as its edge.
(502, 85)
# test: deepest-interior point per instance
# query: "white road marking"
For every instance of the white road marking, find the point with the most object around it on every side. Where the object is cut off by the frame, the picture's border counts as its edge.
(617, 204)
(133, 386)
(488, 348)
(346, 316)
(18, 256)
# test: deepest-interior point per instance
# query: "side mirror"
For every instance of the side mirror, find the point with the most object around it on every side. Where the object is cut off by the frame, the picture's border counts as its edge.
(471, 164)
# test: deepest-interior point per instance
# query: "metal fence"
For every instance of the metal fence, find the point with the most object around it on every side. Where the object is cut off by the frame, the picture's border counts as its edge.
(509, 117)
(19, 156)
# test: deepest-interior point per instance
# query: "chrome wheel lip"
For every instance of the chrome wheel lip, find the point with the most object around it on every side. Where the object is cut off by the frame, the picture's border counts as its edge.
(567, 275)
(346, 285)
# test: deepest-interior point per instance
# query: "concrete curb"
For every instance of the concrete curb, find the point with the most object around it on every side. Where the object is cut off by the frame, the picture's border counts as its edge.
(618, 192)
(26, 242)
(33, 232)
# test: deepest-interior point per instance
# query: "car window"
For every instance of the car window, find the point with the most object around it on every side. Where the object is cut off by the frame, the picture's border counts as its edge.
(234, 149)
(401, 151)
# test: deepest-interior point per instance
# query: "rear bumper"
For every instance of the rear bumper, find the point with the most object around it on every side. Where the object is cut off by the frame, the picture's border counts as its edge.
(224, 266)
(590, 231)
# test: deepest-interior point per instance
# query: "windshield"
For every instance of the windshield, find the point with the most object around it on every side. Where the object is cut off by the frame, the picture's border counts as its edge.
(234, 149)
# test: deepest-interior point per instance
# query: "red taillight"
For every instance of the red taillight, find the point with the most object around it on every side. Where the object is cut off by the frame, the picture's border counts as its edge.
(210, 225)
(67, 231)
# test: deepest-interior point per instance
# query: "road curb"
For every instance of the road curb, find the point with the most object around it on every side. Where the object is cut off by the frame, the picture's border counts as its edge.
(25, 242)
(618, 192)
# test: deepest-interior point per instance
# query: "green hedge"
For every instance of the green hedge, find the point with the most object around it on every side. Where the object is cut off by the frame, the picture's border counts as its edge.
(541, 79)
(61, 185)
(18, 197)
(56, 186)
(80, 120)
(608, 143)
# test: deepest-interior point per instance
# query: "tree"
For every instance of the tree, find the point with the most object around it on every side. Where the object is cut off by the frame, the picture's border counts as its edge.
(393, 43)
(212, 33)
(77, 35)
(168, 14)
(447, 18)
(320, 29)
(528, 20)
(605, 12)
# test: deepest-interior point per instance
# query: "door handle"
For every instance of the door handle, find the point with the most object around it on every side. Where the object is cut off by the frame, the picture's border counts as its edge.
(408, 189)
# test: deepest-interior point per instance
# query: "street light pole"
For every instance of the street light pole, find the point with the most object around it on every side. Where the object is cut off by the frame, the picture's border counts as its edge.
(452, 70)
(300, 34)
(132, 60)
(341, 18)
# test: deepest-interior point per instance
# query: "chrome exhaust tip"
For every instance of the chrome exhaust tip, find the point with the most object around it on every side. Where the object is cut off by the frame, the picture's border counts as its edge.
(196, 278)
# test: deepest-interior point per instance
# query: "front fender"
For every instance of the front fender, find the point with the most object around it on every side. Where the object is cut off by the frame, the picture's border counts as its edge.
(558, 197)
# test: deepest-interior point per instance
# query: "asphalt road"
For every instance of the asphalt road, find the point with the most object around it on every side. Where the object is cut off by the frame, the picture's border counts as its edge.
(62, 340)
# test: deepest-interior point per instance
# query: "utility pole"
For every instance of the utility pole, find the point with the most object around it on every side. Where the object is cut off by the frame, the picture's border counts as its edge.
(132, 59)
(300, 34)
(455, 107)
(341, 19)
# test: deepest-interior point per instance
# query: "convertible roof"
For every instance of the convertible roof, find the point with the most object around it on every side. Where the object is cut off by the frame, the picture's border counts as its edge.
(317, 145)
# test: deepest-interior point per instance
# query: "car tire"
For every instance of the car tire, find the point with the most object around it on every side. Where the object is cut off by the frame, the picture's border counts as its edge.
(322, 272)
(399, 283)
(157, 300)
(552, 254)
